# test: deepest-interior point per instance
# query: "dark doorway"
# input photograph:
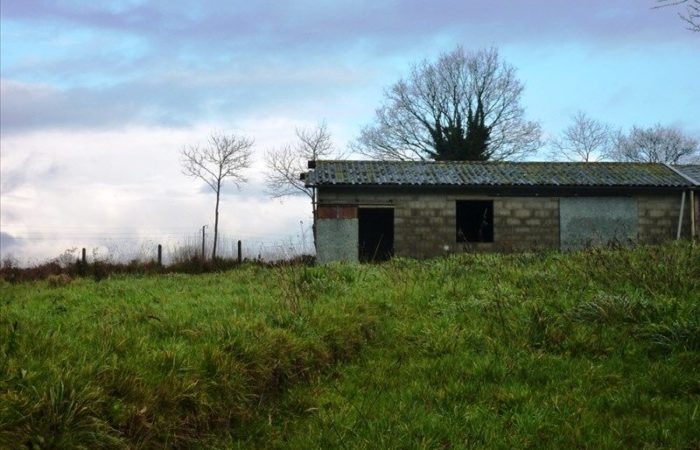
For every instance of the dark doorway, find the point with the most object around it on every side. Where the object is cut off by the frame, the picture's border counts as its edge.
(376, 233)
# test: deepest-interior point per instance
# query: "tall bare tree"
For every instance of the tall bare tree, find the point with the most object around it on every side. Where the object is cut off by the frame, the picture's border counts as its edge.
(224, 157)
(691, 16)
(464, 106)
(585, 139)
(660, 144)
(285, 164)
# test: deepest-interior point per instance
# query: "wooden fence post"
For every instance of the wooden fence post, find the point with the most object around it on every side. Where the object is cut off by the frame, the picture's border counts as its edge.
(84, 257)
(204, 256)
(240, 253)
(160, 255)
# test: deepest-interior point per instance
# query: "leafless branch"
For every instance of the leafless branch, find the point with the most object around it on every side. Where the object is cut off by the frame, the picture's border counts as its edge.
(434, 107)
(285, 164)
(224, 157)
(691, 16)
(659, 144)
(585, 140)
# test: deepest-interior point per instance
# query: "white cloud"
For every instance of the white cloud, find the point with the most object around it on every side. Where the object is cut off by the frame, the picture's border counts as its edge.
(78, 189)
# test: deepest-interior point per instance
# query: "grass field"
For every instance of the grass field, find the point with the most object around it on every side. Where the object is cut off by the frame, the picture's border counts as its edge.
(597, 349)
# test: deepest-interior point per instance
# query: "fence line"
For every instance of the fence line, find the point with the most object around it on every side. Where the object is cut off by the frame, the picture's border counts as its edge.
(33, 246)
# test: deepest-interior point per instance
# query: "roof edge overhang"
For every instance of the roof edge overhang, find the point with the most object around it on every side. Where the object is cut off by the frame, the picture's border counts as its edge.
(693, 182)
(506, 189)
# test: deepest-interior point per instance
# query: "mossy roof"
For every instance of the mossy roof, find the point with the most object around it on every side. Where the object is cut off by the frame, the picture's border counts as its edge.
(470, 173)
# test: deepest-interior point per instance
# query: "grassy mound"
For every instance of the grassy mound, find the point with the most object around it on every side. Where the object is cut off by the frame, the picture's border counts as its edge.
(591, 349)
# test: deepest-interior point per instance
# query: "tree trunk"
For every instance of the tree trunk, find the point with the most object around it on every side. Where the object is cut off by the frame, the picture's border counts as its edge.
(216, 222)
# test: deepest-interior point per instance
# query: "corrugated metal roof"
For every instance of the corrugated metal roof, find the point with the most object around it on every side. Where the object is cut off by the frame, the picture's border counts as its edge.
(691, 171)
(471, 173)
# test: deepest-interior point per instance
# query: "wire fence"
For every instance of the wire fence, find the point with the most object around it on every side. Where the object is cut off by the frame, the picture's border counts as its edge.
(65, 244)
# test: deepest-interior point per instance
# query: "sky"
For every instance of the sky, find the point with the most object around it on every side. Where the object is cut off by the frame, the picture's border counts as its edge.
(98, 98)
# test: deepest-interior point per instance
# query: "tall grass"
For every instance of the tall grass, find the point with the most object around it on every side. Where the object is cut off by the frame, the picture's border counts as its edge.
(595, 349)
(167, 360)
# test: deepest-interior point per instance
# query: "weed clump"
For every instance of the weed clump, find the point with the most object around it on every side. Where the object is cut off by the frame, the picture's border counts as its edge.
(59, 280)
(613, 309)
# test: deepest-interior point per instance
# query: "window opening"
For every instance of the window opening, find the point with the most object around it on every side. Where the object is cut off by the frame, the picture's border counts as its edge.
(474, 221)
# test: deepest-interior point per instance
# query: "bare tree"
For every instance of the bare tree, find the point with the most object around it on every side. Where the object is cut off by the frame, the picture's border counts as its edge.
(658, 144)
(285, 164)
(464, 106)
(586, 139)
(223, 157)
(691, 16)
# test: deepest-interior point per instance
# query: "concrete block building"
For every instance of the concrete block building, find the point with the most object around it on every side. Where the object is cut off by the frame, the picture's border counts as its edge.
(372, 210)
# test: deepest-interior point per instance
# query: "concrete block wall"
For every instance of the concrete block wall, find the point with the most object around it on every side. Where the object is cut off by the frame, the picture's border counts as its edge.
(425, 223)
(658, 217)
(526, 223)
(425, 220)
(424, 226)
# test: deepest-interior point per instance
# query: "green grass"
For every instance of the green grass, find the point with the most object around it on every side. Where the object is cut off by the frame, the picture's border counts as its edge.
(596, 349)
